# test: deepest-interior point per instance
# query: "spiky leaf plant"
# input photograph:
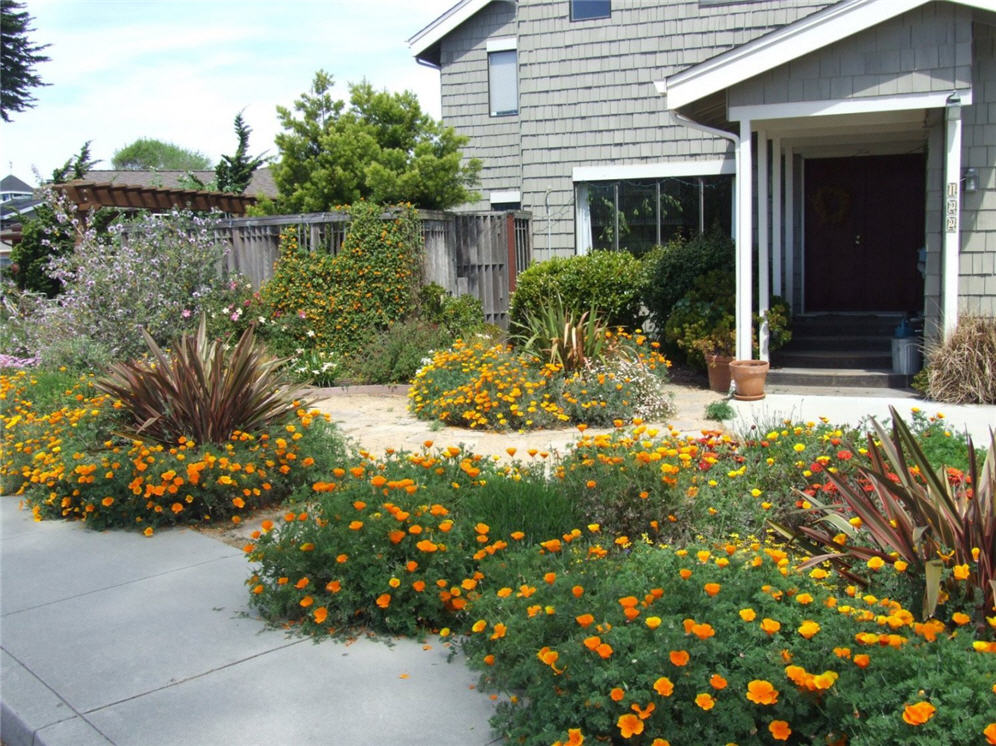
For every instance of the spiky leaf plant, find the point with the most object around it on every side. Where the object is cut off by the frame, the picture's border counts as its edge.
(557, 335)
(201, 390)
(943, 528)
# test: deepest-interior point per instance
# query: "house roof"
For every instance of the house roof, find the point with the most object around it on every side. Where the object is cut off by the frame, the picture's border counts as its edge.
(789, 42)
(424, 45)
(17, 209)
(11, 183)
(261, 184)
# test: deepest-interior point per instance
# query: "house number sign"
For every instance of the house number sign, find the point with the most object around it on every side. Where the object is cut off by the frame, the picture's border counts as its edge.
(951, 212)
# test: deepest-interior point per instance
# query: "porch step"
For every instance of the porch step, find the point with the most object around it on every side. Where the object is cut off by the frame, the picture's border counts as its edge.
(847, 378)
(877, 343)
(845, 324)
(812, 355)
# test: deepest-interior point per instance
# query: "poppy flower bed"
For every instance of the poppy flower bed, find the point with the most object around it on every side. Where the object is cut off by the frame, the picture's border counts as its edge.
(477, 384)
(63, 456)
(679, 628)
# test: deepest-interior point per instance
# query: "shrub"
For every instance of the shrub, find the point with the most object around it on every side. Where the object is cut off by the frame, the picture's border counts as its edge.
(201, 391)
(963, 369)
(343, 300)
(561, 336)
(461, 316)
(395, 354)
(618, 386)
(670, 271)
(606, 281)
(719, 410)
(156, 272)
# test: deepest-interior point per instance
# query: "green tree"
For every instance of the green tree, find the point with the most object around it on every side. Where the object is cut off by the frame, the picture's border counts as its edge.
(234, 172)
(381, 147)
(18, 57)
(147, 154)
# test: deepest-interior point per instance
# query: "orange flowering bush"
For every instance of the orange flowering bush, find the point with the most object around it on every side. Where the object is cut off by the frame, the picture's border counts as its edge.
(67, 462)
(480, 385)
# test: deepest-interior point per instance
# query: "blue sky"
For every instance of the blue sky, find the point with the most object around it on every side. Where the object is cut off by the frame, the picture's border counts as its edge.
(180, 70)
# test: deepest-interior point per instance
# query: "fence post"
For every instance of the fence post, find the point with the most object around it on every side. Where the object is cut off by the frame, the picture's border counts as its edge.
(510, 243)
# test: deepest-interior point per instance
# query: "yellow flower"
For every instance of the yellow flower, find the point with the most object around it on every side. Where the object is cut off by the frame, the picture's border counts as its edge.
(961, 572)
(705, 701)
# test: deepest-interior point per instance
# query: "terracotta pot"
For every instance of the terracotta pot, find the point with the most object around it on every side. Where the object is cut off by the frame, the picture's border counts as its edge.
(749, 377)
(719, 373)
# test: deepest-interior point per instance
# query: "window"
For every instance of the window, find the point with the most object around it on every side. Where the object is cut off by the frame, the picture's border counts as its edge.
(503, 83)
(636, 214)
(582, 10)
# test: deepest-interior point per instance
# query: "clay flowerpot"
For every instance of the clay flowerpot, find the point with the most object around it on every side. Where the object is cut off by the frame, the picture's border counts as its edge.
(748, 377)
(719, 373)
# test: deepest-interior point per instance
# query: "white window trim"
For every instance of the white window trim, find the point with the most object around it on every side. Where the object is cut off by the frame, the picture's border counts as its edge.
(505, 196)
(502, 44)
(708, 167)
(830, 107)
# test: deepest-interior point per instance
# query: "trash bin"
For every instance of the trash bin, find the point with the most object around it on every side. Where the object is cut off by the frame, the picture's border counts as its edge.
(905, 350)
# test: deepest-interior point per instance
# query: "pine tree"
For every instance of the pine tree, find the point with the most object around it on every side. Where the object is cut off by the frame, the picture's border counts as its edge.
(18, 57)
(234, 172)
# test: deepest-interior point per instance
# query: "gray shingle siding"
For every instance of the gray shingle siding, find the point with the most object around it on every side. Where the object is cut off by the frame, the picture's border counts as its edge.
(586, 93)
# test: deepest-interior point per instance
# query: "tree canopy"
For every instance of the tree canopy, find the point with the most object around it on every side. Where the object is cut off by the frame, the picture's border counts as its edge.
(380, 147)
(147, 154)
(18, 57)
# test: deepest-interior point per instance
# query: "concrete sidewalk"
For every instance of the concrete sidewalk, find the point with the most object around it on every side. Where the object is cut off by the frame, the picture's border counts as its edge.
(114, 638)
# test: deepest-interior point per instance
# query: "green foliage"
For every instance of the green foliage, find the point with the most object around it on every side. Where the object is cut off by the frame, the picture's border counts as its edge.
(234, 172)
(75, 167)
(909, 511)
(719, 410)
(337, 303)
(18, 57)
(147, 154)
(201, 391)
(461, 316)
(702, 321)
(381, 147)
(963, 369)
(606, 281)
(670, 271)
(558, 335)
(395, 354)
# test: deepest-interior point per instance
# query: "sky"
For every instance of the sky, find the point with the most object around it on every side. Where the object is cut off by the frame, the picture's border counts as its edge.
(180, 70)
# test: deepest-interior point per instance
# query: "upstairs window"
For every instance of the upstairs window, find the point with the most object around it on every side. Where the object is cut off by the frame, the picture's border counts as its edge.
(582, 10)
(503, 77)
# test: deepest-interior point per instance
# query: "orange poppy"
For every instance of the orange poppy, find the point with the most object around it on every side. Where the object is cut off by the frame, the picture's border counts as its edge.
(629, 725)
(780, 730)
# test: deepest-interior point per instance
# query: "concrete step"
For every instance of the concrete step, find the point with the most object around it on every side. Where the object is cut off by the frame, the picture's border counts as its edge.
(864, 378)
(836, 324)
(824, 358)
(802, 343)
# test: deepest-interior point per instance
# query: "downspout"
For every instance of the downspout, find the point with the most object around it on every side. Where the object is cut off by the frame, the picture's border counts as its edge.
(744, 332)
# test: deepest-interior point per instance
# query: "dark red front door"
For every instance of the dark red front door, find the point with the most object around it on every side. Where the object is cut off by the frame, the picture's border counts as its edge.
(864, 224)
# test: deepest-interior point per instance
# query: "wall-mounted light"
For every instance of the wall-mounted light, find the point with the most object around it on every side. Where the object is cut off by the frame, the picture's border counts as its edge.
(970, 180)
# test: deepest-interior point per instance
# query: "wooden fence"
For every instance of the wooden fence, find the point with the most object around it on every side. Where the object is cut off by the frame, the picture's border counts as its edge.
(477, 253)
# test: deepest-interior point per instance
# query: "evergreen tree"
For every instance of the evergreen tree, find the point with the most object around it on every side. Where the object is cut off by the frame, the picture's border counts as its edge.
(234, 172)
(18, 57)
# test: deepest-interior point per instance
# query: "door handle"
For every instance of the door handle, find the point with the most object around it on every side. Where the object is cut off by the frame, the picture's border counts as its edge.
(857, 240)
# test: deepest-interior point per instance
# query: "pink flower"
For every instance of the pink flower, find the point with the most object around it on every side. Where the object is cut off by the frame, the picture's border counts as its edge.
(185, 313)
(301, 314)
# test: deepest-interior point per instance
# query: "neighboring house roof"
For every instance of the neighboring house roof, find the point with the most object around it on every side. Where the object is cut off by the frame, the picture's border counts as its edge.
(11, 183)
(18, 209)
(424, 44)
(262, 179)
(785, 44)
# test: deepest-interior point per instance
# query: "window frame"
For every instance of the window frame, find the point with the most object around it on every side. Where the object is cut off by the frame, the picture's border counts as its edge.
(502, 46)
(574, 17)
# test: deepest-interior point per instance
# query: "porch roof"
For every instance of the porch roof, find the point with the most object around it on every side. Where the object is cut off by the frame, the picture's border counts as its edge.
(699, 87)
(88, 195)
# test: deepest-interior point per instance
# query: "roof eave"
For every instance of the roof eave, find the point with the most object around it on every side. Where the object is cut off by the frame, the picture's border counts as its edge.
(421, 43)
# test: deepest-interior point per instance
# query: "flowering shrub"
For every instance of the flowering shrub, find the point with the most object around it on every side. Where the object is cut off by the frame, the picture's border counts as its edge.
(490, 387)
(156, 272)
(66, 461)
(345, 298)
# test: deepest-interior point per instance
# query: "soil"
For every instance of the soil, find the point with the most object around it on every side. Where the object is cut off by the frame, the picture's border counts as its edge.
(376, 419)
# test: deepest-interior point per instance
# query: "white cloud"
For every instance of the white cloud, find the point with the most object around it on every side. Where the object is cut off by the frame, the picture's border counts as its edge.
(179, 70)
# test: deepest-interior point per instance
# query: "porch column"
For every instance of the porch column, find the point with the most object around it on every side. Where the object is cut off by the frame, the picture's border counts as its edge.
(952, 212)
(776, 216)
(745, 235)
(790, 227)
(763, 252)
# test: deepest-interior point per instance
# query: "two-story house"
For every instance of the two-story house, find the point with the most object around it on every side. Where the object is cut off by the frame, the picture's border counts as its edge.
(849, 146)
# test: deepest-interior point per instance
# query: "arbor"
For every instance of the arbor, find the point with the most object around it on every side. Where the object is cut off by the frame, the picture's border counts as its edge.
(147, 154)
(381, 147)
(234, 172)
(18, 57)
